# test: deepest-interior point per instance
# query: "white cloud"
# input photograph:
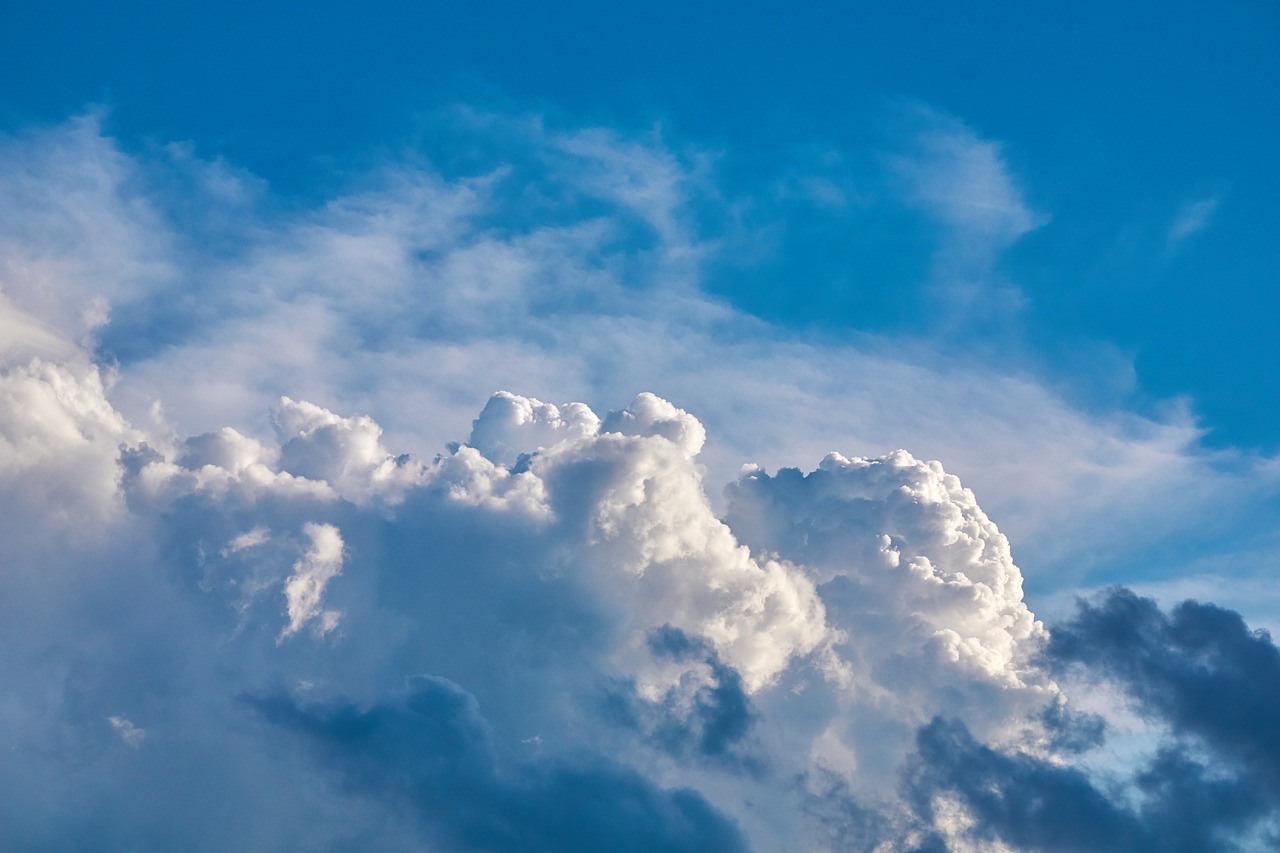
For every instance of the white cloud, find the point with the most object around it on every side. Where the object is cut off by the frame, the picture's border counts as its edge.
(304, 589)
(344, 452)
(77, 232)
(658, 553)
(1192, 218)
(249, 539)
(131, 735)
(59, 442)
(958, 177)
(24, 334)
(921, 587)
(964, 183)
(839, 610)
(645, 178)
(511, 425)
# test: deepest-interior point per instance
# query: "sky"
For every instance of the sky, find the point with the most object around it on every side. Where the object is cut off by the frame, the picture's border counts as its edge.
(491, 427)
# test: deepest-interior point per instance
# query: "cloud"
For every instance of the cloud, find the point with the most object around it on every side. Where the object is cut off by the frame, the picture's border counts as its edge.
(263, 423)
(705, 716)
(129, 733)
(586, 573)
(511, 425)
(313, 441)
(347, 302)
(953, 174)
(305, 587)
(975, 796)
(250, 539)
(932, 536)
(22, 333)
(624, 337)
(684, 681)
(59, 440)
(964, 184)
(1193, 217)
(924, 594)
(1209, 784)
(1198, 667)
(430, 752)
(79, 230)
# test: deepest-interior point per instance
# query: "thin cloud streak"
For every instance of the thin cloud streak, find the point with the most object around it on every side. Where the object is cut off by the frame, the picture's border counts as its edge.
(1193, 217)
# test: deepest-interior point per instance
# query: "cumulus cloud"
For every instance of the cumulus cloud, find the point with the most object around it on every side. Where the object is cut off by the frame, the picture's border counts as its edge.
(604, 534)
(930, 541)
(59, 440)
(313, 441)
(924, 595)
(633, 498)
(511, 425)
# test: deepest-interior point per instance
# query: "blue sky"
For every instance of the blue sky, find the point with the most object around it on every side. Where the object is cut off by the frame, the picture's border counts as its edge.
(284, 517)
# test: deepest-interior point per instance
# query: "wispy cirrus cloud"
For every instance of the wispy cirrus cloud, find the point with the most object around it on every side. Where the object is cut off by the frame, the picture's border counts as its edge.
(964, 182)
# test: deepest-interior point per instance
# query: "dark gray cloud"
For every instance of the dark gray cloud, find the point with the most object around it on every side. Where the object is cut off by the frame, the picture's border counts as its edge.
(708, 723)
(1022, 801)
(430, 752)
(1198, 667)
(1197, 671)
(1030, 803)
(1072, 732)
